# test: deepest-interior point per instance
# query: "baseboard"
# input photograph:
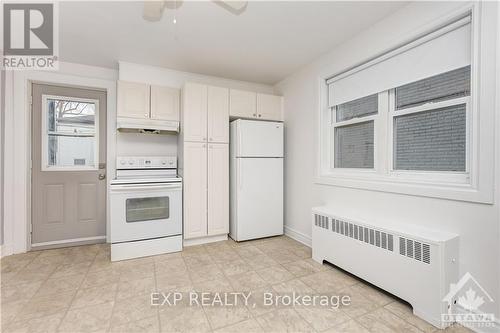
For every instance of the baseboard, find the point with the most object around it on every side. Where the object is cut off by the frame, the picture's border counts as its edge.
(298, 236)
(68, 242)
(205, 240)
(5, 250)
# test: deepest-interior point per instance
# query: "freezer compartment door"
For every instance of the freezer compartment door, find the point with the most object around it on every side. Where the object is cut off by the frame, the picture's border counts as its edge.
(259, 138)
(259, 211)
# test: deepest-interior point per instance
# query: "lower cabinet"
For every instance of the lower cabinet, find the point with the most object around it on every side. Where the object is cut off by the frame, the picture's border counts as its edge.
(218, 189)
(206, 189)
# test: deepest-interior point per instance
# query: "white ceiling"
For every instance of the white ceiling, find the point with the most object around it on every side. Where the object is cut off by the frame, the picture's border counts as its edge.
(269, 41)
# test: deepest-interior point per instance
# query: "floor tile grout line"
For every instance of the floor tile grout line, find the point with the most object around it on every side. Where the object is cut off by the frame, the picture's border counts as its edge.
(43, 282)
(400, 317)
(156, 290)
(74, 296)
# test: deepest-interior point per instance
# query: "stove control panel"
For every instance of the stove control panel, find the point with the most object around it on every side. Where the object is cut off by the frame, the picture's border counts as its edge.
(146, 162)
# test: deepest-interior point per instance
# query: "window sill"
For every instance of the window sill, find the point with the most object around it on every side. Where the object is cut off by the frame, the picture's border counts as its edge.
(406, 186)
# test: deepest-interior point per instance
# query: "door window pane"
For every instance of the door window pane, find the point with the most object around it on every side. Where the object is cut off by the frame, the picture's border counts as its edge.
(354, 145)
(361, 107)
(431, 140)
(147, 209)
(71, 133)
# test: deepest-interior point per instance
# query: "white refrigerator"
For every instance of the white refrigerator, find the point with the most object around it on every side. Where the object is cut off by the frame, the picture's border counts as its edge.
(256, 179)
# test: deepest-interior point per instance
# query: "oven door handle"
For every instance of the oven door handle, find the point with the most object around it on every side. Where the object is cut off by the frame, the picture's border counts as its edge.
(134, 187)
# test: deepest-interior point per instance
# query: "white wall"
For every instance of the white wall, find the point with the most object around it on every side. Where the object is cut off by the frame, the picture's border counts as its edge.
(129, 144)
(2, 131)
(477, 224)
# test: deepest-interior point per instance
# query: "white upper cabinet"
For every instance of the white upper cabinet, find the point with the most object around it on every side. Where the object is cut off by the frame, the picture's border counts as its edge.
(246, 104)
(218, 189)
(242, 104)
(218, 114)
(143, 101)
(269, 107)
(194, 113)
(165, 103)
(133, 100)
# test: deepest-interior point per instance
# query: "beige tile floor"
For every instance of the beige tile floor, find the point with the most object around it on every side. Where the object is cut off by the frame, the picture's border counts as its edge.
(79, 290)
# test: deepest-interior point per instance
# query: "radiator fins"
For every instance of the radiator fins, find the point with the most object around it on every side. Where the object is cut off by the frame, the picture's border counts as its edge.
(321, 221)
(367, 235)
(407, 247)
(414, 249)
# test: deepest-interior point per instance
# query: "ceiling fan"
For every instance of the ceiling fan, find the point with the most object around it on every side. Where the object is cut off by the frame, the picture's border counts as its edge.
(153, 10)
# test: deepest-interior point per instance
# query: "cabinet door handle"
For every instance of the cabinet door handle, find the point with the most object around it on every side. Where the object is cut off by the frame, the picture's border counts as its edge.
(260, 115)
(255, 115)
(146, 115)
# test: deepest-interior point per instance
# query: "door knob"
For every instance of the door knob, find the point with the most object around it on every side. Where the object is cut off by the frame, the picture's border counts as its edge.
(102, 176)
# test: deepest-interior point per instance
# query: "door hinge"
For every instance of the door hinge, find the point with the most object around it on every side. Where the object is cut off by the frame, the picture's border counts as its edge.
(31, 99)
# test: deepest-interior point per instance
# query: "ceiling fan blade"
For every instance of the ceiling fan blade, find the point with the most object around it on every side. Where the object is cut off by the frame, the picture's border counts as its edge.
(153, 10)
(234, 7)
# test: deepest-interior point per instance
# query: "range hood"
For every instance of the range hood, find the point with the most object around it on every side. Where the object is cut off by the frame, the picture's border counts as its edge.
(147, 125)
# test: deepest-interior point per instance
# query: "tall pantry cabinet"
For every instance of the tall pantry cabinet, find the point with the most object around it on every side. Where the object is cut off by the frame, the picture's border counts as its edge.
(205, 150)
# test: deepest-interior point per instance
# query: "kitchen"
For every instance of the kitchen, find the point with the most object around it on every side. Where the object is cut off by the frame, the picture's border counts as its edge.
(250, 166)
(193, 125)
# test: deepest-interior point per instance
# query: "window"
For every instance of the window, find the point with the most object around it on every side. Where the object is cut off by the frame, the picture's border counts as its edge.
(430, 123)
(409, 121)
(353, 128)
(427, 122)
(70, 139)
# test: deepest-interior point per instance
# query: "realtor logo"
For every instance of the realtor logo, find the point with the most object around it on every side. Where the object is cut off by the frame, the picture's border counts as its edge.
(464, 301)
(28, 36)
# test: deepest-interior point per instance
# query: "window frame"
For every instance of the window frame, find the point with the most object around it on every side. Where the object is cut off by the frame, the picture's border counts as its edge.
(429, 176)
(45, 134)
(353, 121)
(482, 123)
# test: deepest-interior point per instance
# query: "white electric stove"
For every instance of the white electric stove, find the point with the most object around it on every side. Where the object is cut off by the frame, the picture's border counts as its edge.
(145, 207)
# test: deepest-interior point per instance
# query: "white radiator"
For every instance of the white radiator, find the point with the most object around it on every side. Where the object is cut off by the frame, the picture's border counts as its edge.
(417, 265)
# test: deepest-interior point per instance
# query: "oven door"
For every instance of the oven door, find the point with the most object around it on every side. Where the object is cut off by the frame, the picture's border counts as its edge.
(145, 211)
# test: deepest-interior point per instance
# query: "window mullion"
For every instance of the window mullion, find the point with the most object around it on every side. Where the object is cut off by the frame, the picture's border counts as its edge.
(381, 133)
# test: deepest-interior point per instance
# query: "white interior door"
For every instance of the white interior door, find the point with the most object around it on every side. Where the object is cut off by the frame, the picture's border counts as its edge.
(68, 165)
(218, 189)
(259, 186)
(195, 189)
